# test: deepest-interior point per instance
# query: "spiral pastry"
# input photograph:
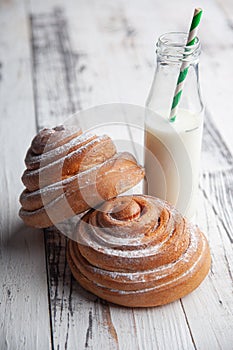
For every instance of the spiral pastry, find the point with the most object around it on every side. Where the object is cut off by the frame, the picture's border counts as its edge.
(69, 171)
(138, 251)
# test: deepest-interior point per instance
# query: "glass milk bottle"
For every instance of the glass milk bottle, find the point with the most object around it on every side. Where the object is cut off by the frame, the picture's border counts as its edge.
(172, 149)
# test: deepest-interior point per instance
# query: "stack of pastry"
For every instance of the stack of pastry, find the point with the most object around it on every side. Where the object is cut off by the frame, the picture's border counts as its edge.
(68, 172)
(131, 250)
(138, 251)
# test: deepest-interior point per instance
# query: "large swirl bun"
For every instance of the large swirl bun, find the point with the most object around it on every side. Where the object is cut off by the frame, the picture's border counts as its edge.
(138, 251)
(68, 172)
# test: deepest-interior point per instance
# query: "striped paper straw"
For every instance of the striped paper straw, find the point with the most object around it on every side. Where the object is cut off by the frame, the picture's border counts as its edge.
(185, 65)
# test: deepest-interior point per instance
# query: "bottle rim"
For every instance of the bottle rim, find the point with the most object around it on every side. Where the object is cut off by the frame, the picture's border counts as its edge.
(172, 46)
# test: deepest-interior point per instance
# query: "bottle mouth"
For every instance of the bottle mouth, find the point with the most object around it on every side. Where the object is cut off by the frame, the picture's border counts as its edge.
(172, 46)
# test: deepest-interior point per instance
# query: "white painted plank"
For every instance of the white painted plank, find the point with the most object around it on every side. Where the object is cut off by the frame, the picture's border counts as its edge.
(23, 281)
(210, 308)
(216, 70)
(78, 318)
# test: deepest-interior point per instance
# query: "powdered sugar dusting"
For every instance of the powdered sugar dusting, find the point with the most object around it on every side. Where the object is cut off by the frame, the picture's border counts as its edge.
(46, 158)
(160, 276)
(106, 240)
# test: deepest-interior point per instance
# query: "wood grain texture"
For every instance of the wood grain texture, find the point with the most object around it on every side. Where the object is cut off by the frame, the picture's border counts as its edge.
(191, 326)
(76, 319)
(98, 322)
(85, 53)
(23, 281)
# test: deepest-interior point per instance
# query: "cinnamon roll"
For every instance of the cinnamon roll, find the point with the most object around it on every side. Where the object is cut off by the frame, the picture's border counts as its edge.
(69, 171)
(138, 251)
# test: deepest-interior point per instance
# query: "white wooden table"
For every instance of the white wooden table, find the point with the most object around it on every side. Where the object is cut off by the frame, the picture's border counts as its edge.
(58, 57)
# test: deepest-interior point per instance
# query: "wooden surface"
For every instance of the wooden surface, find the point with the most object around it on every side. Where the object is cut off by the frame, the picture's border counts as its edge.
(60, 57)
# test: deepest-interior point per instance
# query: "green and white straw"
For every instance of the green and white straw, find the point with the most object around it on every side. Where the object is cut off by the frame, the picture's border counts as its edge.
(185, 65)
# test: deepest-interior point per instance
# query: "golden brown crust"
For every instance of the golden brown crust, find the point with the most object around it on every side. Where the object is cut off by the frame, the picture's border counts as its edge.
(49, 139)
(69, 172)
(84, 154)
(145, 254)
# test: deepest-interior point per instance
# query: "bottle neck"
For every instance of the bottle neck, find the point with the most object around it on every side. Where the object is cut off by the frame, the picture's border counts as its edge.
(171, 53)
(172, 48)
